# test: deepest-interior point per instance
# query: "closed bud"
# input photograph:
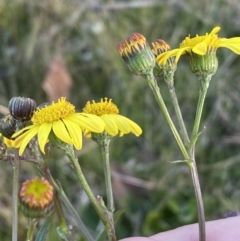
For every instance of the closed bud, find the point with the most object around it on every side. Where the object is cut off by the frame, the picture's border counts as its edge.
(7, 126)
(22, 108)
(137, 54)
(36, 198)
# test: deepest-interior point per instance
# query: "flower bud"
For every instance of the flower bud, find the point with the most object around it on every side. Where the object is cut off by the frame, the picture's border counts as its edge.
(137, 54)
(22, 108)
(7, 126)
(159, 47)
(36, 198)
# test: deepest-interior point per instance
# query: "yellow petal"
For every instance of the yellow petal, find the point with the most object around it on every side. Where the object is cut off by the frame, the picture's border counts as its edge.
(8, 142)
(215, 30)
(88, 121)
(87, 134)
(232, 44)
(111, 127)
(134, 128)
(61, 132)
(200, 48)
(25, 138)
(43, 134)
(121, 123)
(162, 58)
(75, 133)
(22, 130)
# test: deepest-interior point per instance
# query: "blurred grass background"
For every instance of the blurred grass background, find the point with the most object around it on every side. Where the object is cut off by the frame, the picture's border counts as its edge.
(156, 195)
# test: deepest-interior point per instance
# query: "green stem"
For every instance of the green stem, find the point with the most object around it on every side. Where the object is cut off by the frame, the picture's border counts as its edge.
(99, 207)
(30, 229)
(204, 83)
(107, 173)
(198, 195)
(192, 165)
(178, 112)
(15, 197)
(156, 91)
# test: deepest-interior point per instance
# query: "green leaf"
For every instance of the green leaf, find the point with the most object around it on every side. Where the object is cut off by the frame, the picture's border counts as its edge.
(43, 231)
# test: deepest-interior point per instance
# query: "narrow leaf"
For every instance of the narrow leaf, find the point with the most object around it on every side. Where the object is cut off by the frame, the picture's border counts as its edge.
(43, 231)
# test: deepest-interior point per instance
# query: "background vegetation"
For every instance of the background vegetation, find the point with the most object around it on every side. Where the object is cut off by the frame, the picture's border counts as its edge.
(156, 195)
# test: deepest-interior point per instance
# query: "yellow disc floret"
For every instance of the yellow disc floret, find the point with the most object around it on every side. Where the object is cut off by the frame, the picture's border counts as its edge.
(54, 112)
(100, 108)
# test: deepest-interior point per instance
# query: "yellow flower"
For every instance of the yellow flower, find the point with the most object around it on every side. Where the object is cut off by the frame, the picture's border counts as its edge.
(201, 45)
(60, 119)
(109, 113)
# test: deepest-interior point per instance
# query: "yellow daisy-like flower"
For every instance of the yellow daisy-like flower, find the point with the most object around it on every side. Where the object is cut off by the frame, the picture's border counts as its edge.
(60, 119)
(201, 45)
(109, 113)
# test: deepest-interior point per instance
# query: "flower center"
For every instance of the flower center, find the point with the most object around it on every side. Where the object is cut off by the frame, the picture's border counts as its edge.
(55, 111)
(100, 108)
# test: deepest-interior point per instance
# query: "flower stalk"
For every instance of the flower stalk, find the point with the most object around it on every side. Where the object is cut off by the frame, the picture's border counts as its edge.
(173, 95)
(204, 83)
(30, 229)
(190, 160)
(99, 206)
(199, 200)
(104, 144)
(103, 141)
(15, 197)
(156, 91)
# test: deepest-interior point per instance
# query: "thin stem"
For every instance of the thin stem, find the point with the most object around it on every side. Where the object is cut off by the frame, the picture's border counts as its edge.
(30, 229)
(15, 197)
(200, 206)
(202, 94)
(99, 207)
(204, 83)
(192, 165)
(178, 112)
(107, 173)
(156, 91)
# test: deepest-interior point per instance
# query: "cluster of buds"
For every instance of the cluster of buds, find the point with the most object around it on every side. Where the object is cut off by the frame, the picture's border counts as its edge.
(141, 59)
